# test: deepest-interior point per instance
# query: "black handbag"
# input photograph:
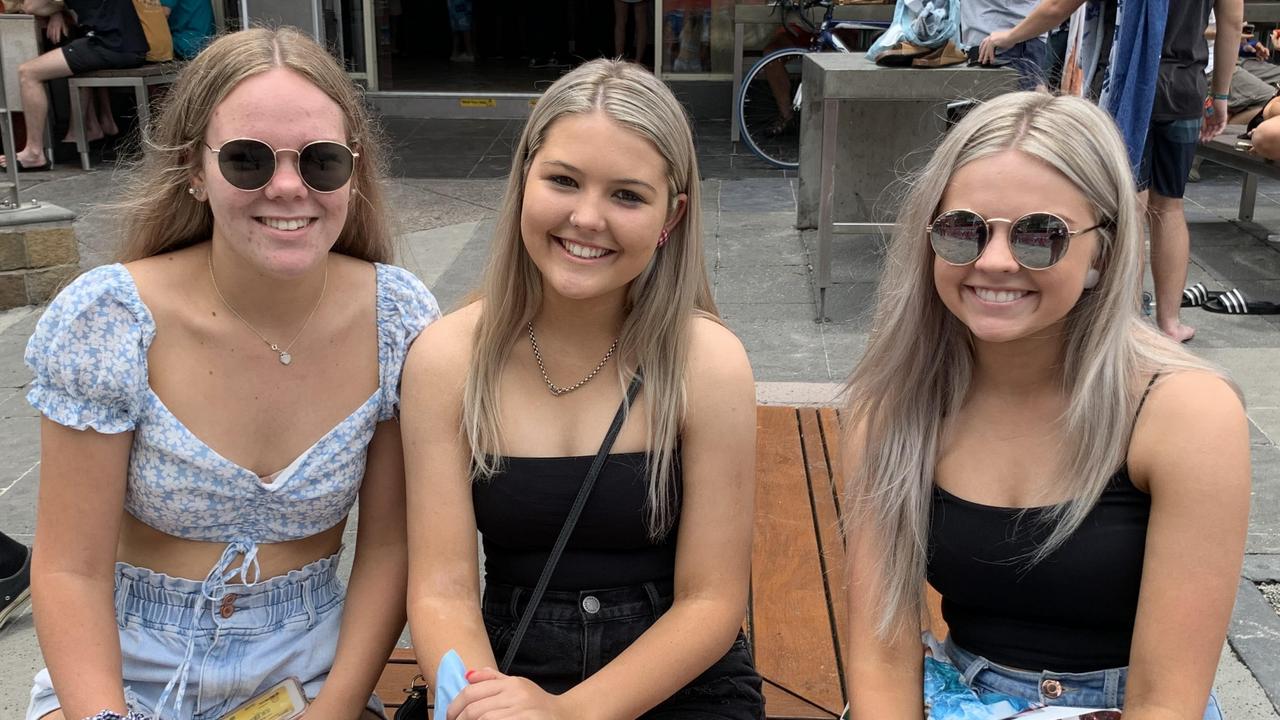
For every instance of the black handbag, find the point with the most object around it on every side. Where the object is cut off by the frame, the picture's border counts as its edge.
(416, 705)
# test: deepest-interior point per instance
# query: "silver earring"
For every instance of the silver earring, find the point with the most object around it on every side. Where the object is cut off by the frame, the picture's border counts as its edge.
(191, 191)
(1091, 278)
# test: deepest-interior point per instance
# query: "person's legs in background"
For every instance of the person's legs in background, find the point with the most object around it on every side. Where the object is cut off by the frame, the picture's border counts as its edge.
(1171, 146)
(32, 76)
(460, 22)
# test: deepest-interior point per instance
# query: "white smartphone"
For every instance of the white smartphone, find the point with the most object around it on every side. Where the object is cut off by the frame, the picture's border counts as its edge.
(282, 701)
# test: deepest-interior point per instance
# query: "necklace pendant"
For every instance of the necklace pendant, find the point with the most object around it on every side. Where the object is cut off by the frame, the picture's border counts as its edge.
(285, 358)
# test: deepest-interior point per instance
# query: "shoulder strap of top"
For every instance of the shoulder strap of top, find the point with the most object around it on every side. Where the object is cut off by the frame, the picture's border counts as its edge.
(1143, 400)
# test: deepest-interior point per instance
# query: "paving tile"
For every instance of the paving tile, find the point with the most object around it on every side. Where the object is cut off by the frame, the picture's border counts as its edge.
(757, 312)
(1247, 262)
(1253, 369)
(783, 351)
(854, 258)
(13, 403)
(1217, 231)
(1264, 422)
(460, 146)
(1264, 521)
(492, 166)
(851, 304)
(844, 345)
(757, 195)
(717, 166)
(1229, 331)
(748, 284)
(758, 239)
(435, 167)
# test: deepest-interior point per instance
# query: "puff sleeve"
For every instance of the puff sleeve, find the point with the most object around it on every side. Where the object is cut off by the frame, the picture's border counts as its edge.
(405, 307)
(88, 353)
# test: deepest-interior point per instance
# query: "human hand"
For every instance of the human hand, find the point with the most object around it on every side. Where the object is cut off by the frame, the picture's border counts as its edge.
(997, 40)
(1215, 120)
(1261, 51)
(56, 28)
(491, 695)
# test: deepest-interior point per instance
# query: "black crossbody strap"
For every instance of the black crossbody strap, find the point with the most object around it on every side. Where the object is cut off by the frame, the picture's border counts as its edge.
(570, 522)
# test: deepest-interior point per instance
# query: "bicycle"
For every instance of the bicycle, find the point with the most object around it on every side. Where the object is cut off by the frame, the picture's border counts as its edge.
(767, 129)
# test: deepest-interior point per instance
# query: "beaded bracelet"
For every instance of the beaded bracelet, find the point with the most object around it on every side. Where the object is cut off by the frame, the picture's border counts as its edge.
(1221, 96)
(113, 715)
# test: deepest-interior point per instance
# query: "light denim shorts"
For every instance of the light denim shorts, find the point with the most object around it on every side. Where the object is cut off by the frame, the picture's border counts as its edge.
(1098, 689)
(232, 649)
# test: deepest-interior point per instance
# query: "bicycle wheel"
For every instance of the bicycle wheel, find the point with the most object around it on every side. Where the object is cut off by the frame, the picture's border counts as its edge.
(772, 84)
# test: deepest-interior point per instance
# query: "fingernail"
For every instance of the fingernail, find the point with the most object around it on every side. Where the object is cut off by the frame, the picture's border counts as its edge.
(468, 675)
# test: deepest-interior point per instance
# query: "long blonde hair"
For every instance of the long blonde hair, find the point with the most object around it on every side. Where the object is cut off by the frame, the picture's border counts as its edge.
(159, 214)
(919, 359)
(661, 302)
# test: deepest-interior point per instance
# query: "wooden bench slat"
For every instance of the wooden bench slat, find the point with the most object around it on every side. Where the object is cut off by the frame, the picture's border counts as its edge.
(396, 678)
(827, 522)
(787, 587)
(780, 705)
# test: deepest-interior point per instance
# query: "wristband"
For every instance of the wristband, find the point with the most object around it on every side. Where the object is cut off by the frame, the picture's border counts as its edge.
(1222, 96)
(113, 715)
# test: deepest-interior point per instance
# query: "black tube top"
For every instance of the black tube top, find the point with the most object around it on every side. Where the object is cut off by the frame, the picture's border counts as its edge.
(521, 509)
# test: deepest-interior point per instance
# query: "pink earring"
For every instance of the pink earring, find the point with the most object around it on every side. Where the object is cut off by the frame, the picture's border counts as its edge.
(662, 237)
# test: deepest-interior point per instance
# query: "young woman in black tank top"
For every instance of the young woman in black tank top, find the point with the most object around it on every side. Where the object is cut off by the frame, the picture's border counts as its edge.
(1087, 554)
(596, 277)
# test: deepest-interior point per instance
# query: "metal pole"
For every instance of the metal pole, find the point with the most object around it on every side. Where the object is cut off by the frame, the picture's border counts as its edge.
(10, 184)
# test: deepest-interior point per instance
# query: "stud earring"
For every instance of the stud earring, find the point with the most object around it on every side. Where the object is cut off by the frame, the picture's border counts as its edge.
(1091, 278)
(196, 193)
(662, 237)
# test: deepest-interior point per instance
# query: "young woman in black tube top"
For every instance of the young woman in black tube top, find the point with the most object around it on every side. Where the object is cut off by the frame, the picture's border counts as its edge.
(596, 277)
(1073, 483)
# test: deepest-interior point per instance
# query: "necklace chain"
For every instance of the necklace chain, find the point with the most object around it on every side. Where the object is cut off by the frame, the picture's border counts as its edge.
(285, 356)
(555, 389)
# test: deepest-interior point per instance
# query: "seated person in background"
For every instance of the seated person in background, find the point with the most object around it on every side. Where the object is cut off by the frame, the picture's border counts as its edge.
(108, 36)
(980, 19)
(190, 24)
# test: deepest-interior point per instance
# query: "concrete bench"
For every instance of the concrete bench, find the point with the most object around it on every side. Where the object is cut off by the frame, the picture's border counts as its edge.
(141, 79)
(795, 616)
(1223, 151)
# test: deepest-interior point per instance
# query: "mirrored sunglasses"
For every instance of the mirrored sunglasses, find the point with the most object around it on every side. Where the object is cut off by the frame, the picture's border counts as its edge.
(249, 164)
(1037, 240)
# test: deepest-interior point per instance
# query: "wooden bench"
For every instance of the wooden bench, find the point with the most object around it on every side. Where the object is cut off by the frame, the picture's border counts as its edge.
(795, 616)
(1223, 151)
(141, 79)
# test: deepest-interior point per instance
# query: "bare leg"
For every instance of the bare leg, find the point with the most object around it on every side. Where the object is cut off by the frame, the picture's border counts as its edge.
(619, 28)
(35, 103)
(90, 112)
(640, 13)
(1170, 253)
(106, 120)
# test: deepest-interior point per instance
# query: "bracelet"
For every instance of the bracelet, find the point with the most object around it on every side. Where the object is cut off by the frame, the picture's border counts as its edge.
(1222, 96)
(113, 715)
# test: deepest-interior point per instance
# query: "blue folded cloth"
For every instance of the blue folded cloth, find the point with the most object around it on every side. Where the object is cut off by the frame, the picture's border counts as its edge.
(451, 678)
(1130, 86)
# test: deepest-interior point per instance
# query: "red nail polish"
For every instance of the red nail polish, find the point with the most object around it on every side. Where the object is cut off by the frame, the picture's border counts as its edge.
(468, 675)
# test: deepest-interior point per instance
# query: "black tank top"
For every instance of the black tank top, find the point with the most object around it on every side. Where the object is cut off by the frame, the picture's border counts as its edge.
(1074, 611)
(521, 509)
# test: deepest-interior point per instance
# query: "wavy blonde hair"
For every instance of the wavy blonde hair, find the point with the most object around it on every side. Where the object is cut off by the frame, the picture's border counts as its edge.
(159, 214)
(919, 359)
(670, 291)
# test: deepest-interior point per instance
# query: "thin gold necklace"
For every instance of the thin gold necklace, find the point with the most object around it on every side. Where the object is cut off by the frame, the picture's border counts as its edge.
(555, 389)
(285, 357)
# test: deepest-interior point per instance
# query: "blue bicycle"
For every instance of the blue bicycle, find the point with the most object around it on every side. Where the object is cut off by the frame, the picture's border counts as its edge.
(769, 104)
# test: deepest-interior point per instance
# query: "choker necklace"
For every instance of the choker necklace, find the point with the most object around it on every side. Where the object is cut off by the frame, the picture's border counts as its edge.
(285, 357)
(555, 389)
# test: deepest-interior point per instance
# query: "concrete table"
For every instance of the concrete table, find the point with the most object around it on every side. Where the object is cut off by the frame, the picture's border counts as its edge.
(744, 15)
(1262, 12)
(891, 117)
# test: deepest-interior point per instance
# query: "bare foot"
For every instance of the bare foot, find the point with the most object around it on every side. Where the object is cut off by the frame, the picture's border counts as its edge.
(1179, 332)
(90, 135)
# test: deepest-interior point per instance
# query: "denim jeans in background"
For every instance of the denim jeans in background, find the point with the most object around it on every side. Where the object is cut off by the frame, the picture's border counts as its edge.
(1098, 689)
(574, 634)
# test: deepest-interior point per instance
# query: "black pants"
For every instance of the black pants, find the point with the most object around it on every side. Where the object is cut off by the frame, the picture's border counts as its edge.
(574, 634)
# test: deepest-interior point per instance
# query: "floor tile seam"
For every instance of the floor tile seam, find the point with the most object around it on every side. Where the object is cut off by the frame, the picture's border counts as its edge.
(463, 200)
(17, 480)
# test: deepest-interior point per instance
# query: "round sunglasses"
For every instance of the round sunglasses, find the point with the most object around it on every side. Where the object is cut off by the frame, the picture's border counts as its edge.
(1038, 240)
(249, 164)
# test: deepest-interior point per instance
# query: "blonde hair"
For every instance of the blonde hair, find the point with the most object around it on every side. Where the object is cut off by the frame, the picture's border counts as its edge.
(919, 360)
(668, 293)
(159, 214)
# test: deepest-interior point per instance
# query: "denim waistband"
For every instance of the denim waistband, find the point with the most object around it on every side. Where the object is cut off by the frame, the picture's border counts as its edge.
(198, 609)
(649, 599)
(1051, 687)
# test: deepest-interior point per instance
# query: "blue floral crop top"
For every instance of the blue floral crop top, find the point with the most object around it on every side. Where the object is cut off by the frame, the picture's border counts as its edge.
(89, 356)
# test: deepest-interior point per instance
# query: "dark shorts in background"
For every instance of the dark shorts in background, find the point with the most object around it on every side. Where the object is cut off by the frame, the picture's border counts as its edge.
(574, 634)
(1248, 90)
(1166, 160)
(86, 54)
